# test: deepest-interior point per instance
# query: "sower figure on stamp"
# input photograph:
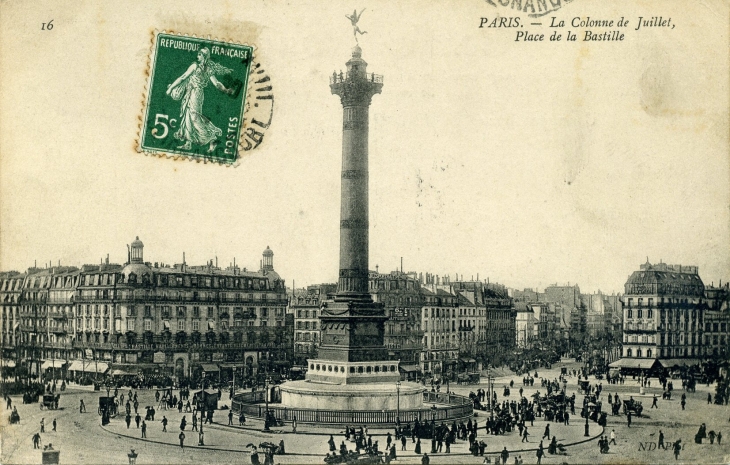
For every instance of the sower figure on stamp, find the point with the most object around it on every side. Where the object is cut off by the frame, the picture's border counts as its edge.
(195, 127)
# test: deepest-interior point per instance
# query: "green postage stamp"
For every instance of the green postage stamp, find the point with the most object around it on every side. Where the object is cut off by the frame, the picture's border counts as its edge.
(196, 98)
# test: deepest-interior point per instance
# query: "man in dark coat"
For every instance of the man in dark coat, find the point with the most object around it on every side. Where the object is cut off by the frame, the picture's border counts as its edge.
(504, 455)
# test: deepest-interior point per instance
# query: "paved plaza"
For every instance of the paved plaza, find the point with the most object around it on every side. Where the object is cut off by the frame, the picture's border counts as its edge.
(82, 439)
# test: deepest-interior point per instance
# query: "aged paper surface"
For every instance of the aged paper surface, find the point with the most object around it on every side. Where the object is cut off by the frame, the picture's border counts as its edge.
(530, 142)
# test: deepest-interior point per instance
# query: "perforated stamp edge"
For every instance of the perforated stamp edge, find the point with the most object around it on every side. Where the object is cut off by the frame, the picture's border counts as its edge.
(258, 110)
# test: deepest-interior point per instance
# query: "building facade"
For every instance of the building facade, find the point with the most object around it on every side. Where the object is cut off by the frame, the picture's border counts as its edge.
(148, 319)
(439, 320)
(11, 288)
(664, 314)
(717, 321)
(525, 323)
(401, 295)
(304, 306)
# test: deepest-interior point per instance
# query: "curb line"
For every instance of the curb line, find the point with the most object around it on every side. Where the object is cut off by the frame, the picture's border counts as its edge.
(222, 449)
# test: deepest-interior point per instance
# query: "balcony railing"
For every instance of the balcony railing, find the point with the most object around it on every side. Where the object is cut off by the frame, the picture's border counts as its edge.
(183, 298)
(176, 346)
(337, 78)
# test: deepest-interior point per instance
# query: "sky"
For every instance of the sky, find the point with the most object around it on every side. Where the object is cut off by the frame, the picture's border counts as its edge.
(525, 163)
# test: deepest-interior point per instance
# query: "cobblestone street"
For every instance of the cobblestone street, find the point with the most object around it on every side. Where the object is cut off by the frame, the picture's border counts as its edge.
(82, 439)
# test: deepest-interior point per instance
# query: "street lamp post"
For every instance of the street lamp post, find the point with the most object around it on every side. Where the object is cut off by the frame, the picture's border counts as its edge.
(397, 416)
(201, 406)
(587, 427)
(266, 399)
(433, 429)
(490, 389)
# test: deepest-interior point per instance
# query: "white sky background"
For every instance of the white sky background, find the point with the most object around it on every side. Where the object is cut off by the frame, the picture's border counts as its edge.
(528, 163)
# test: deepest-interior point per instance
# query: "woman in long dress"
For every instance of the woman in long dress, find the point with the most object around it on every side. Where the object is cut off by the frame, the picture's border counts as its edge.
(195, 127)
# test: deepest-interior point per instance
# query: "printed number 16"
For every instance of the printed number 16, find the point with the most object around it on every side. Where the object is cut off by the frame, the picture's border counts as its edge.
(160, 121)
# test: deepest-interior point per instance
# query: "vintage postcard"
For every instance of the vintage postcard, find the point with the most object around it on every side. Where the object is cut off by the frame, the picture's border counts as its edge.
(305, 232)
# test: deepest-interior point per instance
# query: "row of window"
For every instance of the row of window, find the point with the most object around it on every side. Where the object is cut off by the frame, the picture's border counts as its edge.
(223, 312)
(12, 284)
(359, 369)
(306, 314)
(650, 301)
(181, 325)
(303, 348)
(195, 281)
(639, 353)
(307, 325)
(108, 279)
(666, 352)
(715, 327)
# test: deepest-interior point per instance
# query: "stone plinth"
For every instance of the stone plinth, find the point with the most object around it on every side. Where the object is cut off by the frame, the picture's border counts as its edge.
(322, 396)
(334, 372)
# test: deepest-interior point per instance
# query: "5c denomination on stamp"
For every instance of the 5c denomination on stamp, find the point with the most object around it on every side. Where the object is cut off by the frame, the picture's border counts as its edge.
(196, 98)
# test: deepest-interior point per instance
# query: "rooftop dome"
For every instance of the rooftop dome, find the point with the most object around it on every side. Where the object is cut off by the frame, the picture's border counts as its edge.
(138, 269)
(137, 243)
(268, 252)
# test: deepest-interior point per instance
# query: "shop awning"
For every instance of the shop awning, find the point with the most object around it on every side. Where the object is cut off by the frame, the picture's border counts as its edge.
(123, 373)
(468, 360)
(50, 364)
(409, 368)
(97, 367)
(76, 365)
(679, 362)
(209, 367)
(645, 364)
(296, 368)
(283, 363)
(88, 366)
(9, 363)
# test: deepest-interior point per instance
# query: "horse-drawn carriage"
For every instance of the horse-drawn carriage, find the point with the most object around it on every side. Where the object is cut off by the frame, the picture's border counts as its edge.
(633, 406)
(584, 386)
(14, 417)
(49, 401)
(107, 405)
(269, 449)
(354, 458)
(595, 410)
(468, 378)
(553, 405)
